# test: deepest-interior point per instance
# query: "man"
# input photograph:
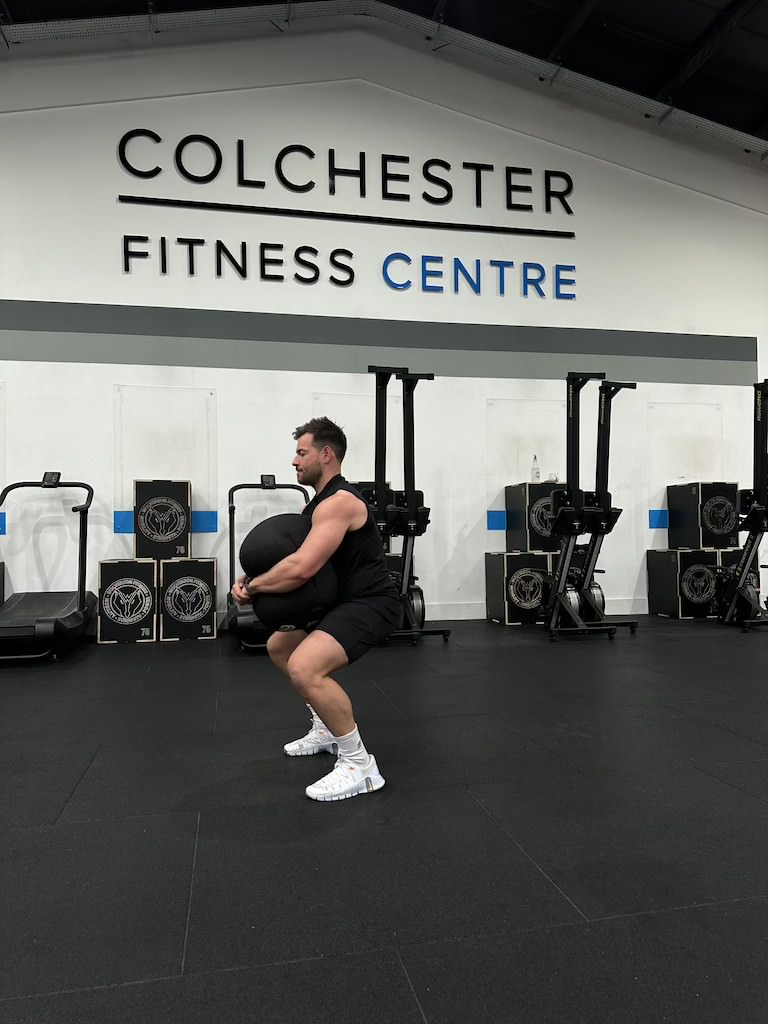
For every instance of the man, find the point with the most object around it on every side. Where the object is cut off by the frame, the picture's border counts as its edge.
(367, 610)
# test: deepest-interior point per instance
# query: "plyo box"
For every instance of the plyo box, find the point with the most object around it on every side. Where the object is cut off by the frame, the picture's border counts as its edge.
(529, 517)
(516, 585)
(162, 518)
(187, 599)
(703, 515)
(127, 601)
(682, 584)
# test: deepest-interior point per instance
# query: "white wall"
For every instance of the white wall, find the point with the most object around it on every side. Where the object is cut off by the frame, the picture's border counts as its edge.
(668, 239)
(651, 254)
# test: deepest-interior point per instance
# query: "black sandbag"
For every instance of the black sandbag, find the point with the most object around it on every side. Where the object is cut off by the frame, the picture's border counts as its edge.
(268, 543)
(272, 540)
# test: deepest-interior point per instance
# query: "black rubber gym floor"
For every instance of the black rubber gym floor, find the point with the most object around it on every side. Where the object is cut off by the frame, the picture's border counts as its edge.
(570, 832)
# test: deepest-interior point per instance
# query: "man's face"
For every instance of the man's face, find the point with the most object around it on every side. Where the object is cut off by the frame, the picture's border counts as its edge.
(308, 461)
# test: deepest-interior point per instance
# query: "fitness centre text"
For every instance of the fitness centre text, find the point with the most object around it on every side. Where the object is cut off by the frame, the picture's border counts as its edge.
(521, 199)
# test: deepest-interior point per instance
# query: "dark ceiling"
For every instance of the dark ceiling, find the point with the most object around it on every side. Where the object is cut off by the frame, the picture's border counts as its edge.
(706, 57)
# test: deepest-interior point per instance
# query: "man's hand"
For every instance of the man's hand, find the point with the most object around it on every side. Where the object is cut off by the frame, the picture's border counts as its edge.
(239, 592)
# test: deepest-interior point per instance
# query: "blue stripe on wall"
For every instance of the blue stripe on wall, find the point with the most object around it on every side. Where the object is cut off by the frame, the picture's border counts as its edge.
(202, 522)
(205, 522)
(657, 519)
(497, 520)
(2, 524)
(123, 522)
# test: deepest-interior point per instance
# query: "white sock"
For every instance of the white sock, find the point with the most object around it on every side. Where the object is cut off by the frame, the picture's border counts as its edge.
(352, 748)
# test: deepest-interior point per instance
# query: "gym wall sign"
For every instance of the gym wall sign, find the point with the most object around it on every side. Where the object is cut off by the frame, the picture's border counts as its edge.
(524, 194)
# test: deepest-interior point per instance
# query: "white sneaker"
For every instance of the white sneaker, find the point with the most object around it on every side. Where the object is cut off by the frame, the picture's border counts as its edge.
(317, 741)
(347, 779)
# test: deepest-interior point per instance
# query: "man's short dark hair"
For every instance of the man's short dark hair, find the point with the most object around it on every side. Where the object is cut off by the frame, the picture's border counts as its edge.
(324, 432)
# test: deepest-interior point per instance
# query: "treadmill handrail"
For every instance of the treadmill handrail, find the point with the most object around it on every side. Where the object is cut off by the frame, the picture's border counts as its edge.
(271, 487)
(83, 532)
(62, 483)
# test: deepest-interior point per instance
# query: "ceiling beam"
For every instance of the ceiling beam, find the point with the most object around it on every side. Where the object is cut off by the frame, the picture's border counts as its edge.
(570, 30)
(713, 38)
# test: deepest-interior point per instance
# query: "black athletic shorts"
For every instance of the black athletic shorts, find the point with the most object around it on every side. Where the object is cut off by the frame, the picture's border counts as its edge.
(360, 625)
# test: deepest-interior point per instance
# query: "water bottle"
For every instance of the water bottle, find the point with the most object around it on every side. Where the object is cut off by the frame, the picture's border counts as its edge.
(535, 471)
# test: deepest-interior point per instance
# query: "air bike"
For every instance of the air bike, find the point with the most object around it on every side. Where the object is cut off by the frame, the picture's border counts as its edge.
(401, 513)
(241, 619)
(576, 603)
(738, 590)
(41, 624)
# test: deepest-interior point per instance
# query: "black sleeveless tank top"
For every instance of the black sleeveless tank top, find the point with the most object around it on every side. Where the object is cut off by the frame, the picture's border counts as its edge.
(359, 560)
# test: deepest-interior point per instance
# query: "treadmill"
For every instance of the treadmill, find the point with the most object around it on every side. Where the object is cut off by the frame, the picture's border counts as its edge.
(36, 625)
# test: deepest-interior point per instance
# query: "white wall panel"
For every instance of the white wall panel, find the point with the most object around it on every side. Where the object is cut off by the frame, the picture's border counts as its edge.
(685, 442)
(516, 429)
(166, 433)
(356, 415)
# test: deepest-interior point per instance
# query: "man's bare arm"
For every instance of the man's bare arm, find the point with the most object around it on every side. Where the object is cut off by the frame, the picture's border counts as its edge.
(331, 521)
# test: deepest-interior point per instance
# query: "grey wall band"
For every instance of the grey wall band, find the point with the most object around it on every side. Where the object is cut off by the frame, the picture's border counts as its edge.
(100, 333)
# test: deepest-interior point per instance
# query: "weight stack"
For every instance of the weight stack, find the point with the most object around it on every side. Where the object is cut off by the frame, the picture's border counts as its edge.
(529, 517)
(516, 586)
(682, 584)
(703, 515)
(187, 599)
(127, 601)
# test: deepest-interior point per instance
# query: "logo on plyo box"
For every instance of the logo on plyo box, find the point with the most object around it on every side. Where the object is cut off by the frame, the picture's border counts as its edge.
(526, 588)
(698, 584)
(188, 599)
(127, 601)
(719, 515)
(540, 516)
(161, 519)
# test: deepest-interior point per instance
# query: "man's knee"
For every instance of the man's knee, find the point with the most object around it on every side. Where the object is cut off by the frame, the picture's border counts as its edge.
(300, 672)
(275, 644)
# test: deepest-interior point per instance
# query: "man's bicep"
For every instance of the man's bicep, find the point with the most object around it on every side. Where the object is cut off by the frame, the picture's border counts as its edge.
(321, 543)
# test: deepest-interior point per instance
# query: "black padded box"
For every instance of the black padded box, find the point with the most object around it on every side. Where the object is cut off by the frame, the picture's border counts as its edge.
(127, 601)
(162, 518)
(682, 584)
(703, 515)
(516, 586)
(529, 517)
(187, 599)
